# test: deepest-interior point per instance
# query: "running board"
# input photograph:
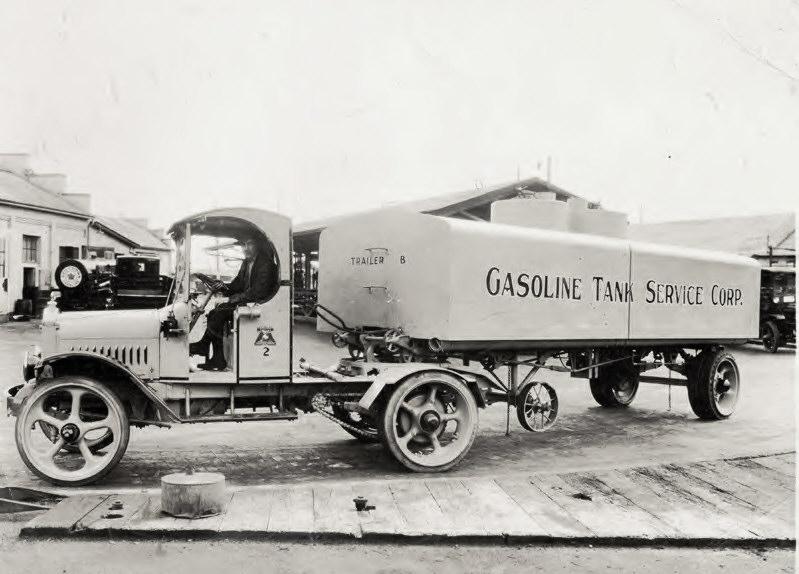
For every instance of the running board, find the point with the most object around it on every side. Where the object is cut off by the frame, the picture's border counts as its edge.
(283, 416)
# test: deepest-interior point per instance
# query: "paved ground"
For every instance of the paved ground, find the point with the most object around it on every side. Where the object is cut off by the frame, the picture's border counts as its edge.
(312, 449)
(739, 501)
(20, 555)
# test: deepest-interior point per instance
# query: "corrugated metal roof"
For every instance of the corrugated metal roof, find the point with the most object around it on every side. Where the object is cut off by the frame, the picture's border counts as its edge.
(747, 235)
(133, 233)
(16, 190)
(450, 203)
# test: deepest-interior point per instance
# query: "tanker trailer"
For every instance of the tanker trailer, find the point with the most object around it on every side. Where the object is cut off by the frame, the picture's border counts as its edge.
(413, 287)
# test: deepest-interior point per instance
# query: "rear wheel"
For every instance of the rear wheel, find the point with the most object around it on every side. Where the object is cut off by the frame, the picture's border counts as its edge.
(83, 413)
(714, 385)
(429, 422)
(771, 337)
(616, 385)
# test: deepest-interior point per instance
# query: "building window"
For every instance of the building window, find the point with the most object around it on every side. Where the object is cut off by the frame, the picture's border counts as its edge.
(66, 252)
(30, 249)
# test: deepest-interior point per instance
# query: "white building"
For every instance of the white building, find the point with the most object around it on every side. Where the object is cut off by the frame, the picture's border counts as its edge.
(41, 225)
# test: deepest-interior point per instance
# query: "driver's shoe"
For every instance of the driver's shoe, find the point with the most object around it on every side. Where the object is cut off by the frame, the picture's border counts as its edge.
(213, 365)
(217, 362)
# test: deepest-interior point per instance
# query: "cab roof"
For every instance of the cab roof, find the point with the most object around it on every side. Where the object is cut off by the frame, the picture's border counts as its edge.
(244, 223)
(234, 222)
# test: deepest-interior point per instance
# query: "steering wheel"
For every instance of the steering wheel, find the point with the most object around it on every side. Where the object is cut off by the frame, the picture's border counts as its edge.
(210, 282)
(199, 304)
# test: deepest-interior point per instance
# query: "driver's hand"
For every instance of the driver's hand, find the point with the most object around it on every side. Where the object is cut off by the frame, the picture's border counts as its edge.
(219, 286)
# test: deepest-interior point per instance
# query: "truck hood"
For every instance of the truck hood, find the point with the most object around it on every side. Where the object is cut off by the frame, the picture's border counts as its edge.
(121, 324)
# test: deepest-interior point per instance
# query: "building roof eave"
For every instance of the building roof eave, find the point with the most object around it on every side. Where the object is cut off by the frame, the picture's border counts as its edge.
(43, 209)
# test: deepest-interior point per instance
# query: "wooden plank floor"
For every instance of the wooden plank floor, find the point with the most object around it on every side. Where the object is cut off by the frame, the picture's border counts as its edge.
(750, 499)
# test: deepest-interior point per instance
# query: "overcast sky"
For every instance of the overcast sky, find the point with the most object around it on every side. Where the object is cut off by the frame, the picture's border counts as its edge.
(162, 108)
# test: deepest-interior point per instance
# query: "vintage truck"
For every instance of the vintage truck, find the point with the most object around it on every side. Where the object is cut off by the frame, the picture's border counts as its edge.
(439, 317)
(127, 282)
(777, 308)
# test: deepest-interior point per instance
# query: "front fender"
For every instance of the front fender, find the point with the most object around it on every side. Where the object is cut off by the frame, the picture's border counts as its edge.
(50, 364)
(394, 373)
(16, 396)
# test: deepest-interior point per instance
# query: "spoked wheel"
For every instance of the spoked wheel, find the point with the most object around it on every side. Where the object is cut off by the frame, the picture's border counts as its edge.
(95, 444)
(537, 406)
(365, 424)
(430, 422)
(616, 385)
(72, 431)
(714, 386)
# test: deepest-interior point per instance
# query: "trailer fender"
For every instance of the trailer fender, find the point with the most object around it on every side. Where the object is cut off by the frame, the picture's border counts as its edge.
(84, 362)
(389, 374)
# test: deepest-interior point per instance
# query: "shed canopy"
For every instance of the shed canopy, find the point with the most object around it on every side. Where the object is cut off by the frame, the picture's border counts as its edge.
(473, 204)
(749, 235)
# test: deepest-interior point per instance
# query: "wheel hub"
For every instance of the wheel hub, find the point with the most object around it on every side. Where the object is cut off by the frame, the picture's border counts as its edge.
(70, 432)
(429, 421)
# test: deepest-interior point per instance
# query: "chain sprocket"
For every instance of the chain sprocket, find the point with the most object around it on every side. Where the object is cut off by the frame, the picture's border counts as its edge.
(320, 402)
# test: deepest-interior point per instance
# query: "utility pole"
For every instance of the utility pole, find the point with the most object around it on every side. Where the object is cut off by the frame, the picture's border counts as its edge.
(549, 169)
(216, 256)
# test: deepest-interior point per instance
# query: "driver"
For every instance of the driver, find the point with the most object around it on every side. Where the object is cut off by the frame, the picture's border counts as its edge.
(251, 284)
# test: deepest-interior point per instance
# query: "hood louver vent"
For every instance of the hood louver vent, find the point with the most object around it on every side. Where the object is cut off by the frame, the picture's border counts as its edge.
(131, 355)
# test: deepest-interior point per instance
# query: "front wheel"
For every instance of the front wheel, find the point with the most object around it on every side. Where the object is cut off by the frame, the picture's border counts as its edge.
(60, 425)
(770, 334)
(714, 385)
(429, 422)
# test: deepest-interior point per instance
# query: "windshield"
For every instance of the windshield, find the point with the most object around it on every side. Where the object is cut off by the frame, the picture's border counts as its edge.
(179, 283)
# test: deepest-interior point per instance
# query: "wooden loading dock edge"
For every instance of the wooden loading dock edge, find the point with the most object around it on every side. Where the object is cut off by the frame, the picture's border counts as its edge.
(733, 502)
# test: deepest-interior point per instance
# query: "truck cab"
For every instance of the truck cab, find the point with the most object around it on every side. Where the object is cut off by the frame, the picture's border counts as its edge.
(258, 341)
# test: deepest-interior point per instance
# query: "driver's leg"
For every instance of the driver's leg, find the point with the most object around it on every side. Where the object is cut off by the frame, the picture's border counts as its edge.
(201, 347)
(216, 324)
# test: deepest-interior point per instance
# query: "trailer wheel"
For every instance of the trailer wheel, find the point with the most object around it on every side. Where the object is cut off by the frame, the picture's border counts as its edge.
(616, 385)
(82, 411)
(429, 422)
(537, 406)
(714, 385)
(770, 334)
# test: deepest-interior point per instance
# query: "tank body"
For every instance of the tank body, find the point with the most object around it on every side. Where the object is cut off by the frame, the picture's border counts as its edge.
(477, 283)
(541, 212)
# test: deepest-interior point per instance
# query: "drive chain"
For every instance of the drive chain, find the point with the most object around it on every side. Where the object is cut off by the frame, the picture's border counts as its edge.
(320, 402)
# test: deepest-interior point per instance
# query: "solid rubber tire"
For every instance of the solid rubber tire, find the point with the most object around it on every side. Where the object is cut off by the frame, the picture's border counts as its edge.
(387, 423)
(95, 387)
(776, 337)
(602, 386)
(700, 385)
